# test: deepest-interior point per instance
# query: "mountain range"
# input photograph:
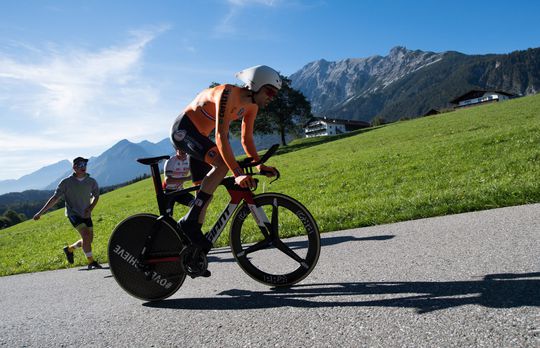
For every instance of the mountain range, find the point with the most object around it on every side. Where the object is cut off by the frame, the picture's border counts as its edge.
(115, 166)
(407, 83)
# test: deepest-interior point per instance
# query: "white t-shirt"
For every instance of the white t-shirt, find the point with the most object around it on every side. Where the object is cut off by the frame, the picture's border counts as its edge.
(176, 168)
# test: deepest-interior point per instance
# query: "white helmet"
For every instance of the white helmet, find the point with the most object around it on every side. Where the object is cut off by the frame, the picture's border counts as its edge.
(258, 76)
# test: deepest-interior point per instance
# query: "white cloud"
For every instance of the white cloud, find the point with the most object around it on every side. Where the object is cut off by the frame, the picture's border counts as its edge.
(59, 101)
(227, 26)
(68, 82)
(253, 2)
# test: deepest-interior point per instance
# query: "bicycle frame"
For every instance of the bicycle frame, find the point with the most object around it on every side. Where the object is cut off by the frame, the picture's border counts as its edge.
(237, 196)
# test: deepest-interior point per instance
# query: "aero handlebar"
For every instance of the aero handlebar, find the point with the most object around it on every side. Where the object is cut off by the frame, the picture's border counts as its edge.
(248, 162)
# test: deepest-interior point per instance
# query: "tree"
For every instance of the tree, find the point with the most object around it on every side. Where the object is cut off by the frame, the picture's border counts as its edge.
(287, 113)
(4, 222)
(12, 216)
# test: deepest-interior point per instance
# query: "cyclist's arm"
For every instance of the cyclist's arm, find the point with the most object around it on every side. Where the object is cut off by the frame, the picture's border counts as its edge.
(247, 137)
(249, 144)
(222, 132)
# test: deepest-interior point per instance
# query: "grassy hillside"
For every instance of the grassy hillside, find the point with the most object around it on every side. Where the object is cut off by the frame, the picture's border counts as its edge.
(472, 159)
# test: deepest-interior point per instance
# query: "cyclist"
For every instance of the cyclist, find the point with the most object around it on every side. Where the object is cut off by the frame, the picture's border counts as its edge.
(176, 171)
(214, 109)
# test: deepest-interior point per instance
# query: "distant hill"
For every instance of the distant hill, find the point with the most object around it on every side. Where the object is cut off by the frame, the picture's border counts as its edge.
(119, 163)
(37, 180)
(406, 83)
(114, 166)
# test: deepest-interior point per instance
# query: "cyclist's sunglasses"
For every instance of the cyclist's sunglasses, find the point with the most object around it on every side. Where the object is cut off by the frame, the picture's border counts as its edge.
(80, 165)
(270, 92)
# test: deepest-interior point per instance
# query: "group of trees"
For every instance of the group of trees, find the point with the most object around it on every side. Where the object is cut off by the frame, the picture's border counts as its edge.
(10, 218)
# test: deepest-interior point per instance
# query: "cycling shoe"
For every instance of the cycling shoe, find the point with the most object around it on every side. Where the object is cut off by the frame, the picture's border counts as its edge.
(194, 232)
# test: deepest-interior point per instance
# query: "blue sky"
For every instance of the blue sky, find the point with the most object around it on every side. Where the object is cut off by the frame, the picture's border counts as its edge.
(78, 76)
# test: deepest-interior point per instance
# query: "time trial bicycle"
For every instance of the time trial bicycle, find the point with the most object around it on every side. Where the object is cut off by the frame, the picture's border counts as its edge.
(273, 237)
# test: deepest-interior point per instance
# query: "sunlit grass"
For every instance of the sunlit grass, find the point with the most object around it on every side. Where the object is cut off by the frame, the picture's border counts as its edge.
(467, 160)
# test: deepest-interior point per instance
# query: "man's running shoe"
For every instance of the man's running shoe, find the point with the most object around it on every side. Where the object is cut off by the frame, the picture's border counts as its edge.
(69, 254)
(94, 265)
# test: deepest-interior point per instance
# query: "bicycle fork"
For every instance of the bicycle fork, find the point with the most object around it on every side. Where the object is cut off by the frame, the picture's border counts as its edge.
(267, 228)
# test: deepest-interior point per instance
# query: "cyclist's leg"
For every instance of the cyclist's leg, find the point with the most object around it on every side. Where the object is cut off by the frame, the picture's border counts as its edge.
(210, 177)
(186, 199)
(207, 168)
(192, 222)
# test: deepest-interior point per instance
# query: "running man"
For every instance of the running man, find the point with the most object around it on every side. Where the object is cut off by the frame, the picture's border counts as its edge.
(81, 193)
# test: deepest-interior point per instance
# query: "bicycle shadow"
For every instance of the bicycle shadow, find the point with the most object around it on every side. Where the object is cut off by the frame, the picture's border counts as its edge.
(325, 241)
(493, 291)
(345, 239)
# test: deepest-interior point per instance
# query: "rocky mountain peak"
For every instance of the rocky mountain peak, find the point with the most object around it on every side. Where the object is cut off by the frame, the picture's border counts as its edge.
(398, 52)
(407, 83)
(334, 83)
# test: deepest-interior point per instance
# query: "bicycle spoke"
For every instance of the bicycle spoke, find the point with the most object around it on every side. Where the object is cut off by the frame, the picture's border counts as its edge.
(264, 231)
(289, 252)
(275, 220)
(255, 247)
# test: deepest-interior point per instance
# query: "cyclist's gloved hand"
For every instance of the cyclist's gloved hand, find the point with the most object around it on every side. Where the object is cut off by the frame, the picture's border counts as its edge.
(265, 170)
(245, 181)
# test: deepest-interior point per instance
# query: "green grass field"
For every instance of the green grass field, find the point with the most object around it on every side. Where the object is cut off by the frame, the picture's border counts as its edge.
(467, 160)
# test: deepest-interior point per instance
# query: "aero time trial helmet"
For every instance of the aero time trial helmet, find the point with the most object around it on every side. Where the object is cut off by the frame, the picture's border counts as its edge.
(258, 76)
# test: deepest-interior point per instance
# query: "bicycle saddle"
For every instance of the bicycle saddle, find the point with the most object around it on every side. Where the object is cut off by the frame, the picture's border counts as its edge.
(152, 160)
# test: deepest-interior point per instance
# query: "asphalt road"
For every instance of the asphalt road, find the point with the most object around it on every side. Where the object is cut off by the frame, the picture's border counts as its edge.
(455, 281)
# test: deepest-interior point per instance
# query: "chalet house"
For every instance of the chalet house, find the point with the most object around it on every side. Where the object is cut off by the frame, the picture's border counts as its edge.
(319, 126)
(478, 97)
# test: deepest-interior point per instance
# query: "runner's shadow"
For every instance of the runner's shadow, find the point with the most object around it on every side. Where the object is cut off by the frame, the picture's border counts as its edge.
(84, 269)
(493, 291)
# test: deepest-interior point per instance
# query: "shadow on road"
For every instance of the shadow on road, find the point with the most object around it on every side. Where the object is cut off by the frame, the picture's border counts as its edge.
(325, 241)
(493, 291)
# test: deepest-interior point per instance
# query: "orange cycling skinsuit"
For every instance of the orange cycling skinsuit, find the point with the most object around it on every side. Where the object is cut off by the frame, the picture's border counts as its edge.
(214, 109)
(193, 128)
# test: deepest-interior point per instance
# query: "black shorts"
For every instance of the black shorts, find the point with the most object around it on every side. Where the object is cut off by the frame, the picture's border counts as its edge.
(186, 137)
(76, 221)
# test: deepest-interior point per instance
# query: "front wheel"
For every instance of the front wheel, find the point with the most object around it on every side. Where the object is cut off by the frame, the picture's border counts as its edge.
(276, 241)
